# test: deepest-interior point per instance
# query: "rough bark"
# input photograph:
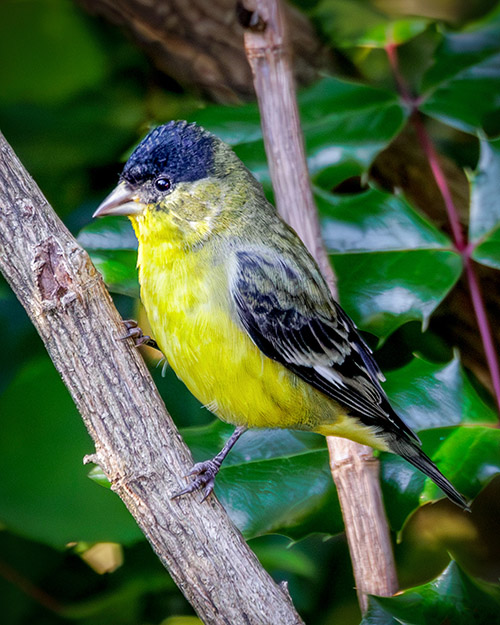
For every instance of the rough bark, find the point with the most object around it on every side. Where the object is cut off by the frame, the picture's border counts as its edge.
(354, 468)
(200, 43)
(137, 444)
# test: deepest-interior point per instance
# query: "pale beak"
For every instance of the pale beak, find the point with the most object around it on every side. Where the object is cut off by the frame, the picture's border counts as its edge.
(122, 201)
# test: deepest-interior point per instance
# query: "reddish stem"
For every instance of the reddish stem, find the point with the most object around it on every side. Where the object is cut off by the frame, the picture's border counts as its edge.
(484, 326)
(460, 240)
(391, 50)
(442, 183)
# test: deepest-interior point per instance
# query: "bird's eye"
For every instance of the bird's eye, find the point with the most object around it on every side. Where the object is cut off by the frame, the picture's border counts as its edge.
(162, 184)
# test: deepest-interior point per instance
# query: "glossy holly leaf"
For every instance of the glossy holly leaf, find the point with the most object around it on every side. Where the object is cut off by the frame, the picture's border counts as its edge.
(344, 124)
(453, 598)
(290, 496)
(48, 497)
(461, 87)
(429, 395)
(108, 233)
(386, 257)
(347, 124)
(375, 221)
(112, 246)
(484, 227)
(485, 193)
(467, 455)
(382, 293)
(488, 252)
(234, 125)
(350, 23)
(430, 398)
(272, 481)
(376, 615)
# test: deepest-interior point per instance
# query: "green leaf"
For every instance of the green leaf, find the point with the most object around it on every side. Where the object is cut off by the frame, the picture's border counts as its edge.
(343, 123)
(431, 397)
(453, 598)
(276, 556)
(48, 497)
(384, 254)
(272, 481)
(485, 193)
(383, 291)
(233, 124)
(375, 221)
(488, 252)
(468, 457)
(97, 475)
(484, 228)
(108, 233)
(376, 615)
(112, 246)
(351, 23)
(428, 395)
(118, 270)
(461, 87)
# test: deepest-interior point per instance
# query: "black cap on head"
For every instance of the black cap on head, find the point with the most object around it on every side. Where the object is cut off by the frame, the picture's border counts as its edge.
(182, 152)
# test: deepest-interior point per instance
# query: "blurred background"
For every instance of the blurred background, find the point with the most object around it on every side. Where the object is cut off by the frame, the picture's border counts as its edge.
(81, 83)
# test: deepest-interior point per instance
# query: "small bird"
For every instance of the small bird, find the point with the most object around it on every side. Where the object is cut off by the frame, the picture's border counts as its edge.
(239, 307)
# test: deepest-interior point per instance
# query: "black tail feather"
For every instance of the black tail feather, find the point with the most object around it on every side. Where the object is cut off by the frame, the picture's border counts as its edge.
(415, 456)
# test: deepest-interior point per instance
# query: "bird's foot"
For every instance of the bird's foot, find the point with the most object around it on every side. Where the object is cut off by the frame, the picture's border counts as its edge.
(135, 332)
(205, 473)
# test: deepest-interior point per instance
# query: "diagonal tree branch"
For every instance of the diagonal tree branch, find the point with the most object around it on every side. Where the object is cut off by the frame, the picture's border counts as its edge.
(354, 468)
(137, 444)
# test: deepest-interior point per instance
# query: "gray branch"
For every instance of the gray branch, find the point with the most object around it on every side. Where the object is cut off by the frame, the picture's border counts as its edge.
(137, 444)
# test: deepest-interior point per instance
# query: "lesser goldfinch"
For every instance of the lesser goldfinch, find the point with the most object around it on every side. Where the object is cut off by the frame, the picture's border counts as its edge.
(239, 307)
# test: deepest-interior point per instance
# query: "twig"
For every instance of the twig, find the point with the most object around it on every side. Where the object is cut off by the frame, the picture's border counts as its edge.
(137, 444)
(441, 182)
(353, 466)
(459, 239)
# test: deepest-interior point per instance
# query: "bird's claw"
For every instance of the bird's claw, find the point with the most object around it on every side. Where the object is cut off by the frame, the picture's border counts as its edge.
(205, 473)
(135, 332)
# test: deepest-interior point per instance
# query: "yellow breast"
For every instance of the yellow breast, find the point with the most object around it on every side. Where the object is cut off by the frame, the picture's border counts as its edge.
(187, 300)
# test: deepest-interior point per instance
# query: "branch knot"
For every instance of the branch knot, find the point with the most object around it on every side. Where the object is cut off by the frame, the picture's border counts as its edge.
(53, 278)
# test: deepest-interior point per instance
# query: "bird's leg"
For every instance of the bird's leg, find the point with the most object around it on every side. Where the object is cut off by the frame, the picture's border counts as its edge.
(135, 332)
(205, 472)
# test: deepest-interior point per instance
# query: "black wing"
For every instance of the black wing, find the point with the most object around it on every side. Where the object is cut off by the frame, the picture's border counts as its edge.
(286, 308)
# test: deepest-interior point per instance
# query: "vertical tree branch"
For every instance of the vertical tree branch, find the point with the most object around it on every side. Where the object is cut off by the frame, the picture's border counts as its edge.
(353, 466)
(137, 444)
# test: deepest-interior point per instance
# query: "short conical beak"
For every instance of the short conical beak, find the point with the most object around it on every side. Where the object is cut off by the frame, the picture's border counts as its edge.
(122, 201)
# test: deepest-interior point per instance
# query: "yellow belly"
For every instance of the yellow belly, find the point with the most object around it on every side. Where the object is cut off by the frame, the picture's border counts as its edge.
(189, 311)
